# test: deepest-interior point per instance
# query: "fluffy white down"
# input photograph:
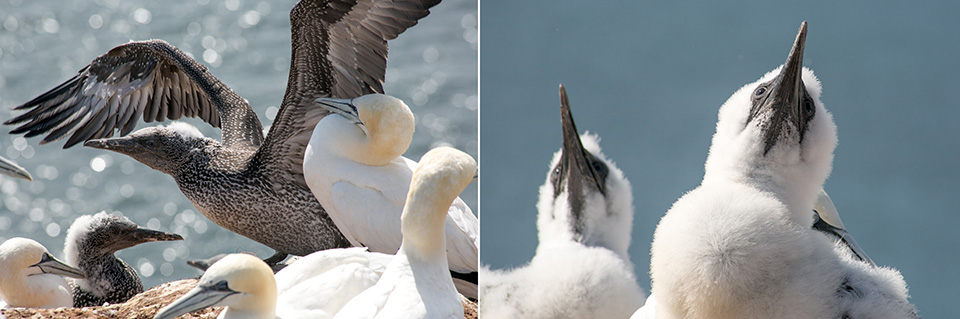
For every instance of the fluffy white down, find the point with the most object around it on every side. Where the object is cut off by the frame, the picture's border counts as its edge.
(184, 129)
(589, 278)
(741, 244)
(562, 281)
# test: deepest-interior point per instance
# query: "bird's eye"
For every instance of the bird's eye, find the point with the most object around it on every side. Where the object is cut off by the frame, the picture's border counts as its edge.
(599, 167)
(151, 143)
(808, 106)
(760, 91)
(222, 285)
(556, 171)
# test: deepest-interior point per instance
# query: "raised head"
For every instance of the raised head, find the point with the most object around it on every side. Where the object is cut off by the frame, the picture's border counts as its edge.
(586, 198)
(442, 175)
(373, 129)
(776, 134)
(242, 283)
(163, 148)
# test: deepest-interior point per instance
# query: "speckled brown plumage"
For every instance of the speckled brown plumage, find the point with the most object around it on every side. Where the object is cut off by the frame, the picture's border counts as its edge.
(248, 184)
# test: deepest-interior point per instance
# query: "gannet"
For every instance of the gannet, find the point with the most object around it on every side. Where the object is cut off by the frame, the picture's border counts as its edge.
(741, 244)
(30, 276)
(581, 268)
(417, 282)
(316, 286)
(826, 220)
(92, 241)
(355, 168)
(9, 168)
(339, 50)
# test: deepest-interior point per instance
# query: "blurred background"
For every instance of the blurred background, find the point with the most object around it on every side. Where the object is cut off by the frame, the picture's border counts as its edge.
(245, 43)
(649, 77)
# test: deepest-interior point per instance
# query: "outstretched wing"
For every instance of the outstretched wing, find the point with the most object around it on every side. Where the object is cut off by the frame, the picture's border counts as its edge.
(152, 79)
(339, 50)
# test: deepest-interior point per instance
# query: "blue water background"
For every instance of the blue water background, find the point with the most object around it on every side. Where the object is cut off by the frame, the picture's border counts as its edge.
(246, 43)
(649, 77)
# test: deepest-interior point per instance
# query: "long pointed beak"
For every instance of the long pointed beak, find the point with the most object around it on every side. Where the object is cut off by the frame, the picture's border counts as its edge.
(196, 299)
(123, 145)
(827, 220)
(50, 265)
(9, 168)
(785, 96)
(344, 107)
(144, 235)
(574, 156)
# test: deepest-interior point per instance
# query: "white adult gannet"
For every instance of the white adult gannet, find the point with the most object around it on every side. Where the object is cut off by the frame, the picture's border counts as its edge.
(417, 282)
(316, 286)
(741, 245)
(9, 168)
(581, 268)
(354, 166)
(30, 276)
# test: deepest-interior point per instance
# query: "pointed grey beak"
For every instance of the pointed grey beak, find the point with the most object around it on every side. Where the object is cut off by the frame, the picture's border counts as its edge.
(197, 298)
(9, 168)
(50, 265)
(575, 165)
(344, 107)
(826, 219)
(785, 93)
(124, 145)
(144, 235)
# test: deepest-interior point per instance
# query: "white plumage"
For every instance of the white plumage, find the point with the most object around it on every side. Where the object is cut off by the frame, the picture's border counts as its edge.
(741, 244)
(353, 165)
(581, 268)
(30, 277)
(315, 286)
(417, 282)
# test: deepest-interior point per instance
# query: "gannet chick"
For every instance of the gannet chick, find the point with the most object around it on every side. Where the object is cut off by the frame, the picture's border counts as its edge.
(316, 286)
(417, 282)
(354, 166)
(9, 168)
(30, 276)
(581, 268)
(826, 220)
(91, 243)
(741, 244)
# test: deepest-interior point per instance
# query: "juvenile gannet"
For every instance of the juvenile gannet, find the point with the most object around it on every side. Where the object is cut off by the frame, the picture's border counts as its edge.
(417, 282)
(316, 286)
(355, 168)
(91, 243)
(741, 244)
(581, 268)
(339, 50)
(9, 168)
(30, 276)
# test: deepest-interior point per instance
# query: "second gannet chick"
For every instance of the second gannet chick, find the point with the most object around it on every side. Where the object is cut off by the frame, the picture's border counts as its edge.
(354, 166)
(417, 282)
(30, 276)
(91, 243)
(315, 286)
(581, 268)
(742, 245)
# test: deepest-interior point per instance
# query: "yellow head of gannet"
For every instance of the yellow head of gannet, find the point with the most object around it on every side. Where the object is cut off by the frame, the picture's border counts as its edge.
(30, 276)
(243, 283)
(373, 129)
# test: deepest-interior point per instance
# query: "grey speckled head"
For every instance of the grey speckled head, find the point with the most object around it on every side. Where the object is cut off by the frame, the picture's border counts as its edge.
(91, 243)
(163, 148)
